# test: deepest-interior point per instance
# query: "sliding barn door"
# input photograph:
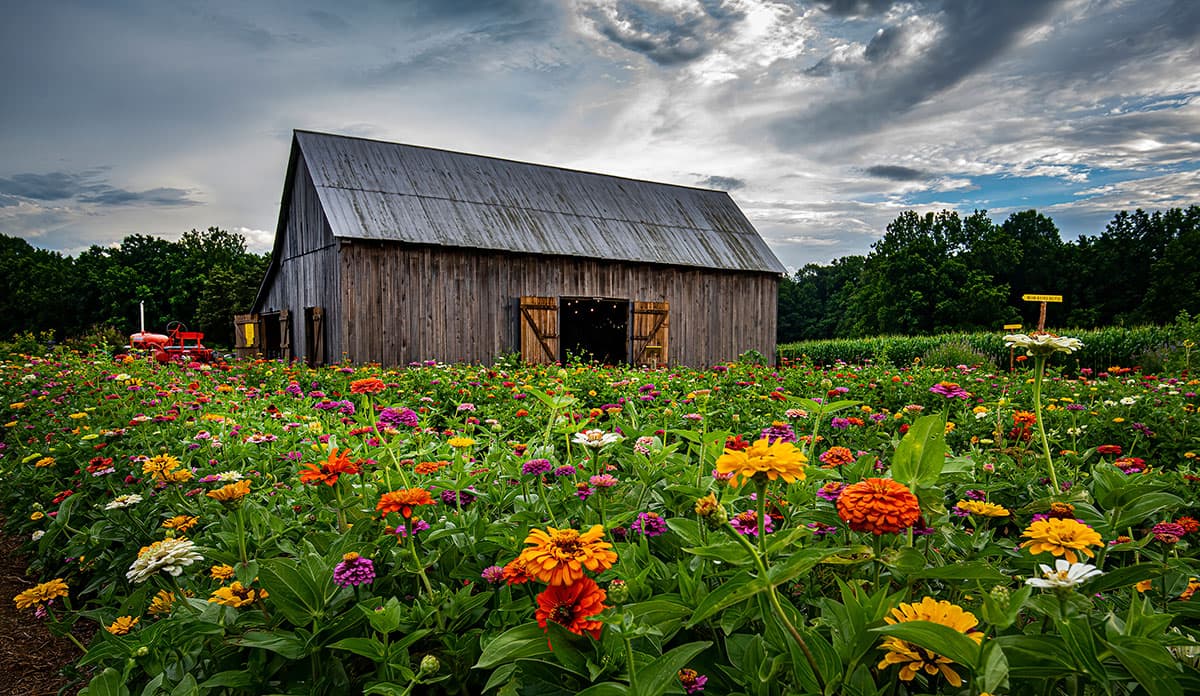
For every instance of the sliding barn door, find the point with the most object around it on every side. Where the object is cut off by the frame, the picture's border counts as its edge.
(539, 330)
(651, 322)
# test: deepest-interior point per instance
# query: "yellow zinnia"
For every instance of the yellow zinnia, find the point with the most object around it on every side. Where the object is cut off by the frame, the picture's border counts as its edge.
(1061, 537)
(914, 658)
(774, 459)
(122, 625)
(978, 507)
(231, 493)
(39, 594)
(236, 595)
(161, 604)
(559, 556)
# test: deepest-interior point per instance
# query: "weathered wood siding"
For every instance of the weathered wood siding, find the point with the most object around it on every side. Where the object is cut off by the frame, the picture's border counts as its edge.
(406, 303)
(308, 268)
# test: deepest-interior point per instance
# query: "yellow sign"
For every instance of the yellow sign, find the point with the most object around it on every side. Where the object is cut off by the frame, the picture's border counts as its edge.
(1011, 327)
(1042, 298)
(249, 334)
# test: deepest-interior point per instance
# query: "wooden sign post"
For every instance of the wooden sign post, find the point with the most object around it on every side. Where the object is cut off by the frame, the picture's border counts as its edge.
(1011, 349)
(1041, 314)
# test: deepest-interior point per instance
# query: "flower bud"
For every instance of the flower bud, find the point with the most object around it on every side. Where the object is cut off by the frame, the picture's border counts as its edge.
(618, 592)
(430, 665)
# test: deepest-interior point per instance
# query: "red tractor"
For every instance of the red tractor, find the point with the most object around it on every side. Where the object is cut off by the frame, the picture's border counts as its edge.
(177, 345)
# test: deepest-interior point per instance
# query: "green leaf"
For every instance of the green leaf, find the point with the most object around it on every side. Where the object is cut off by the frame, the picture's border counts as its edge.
(727, 552)
(605, 689)
(993, 668)
(186, 687)
(287, 644)
(1142, 508)
(921, 454)
(526, 640)
(107, 683)
(1149, 663)
(940, 639)
(1080, 641)
(799, 563)
(653, 679)
(301, 590)
(370, 648)
(230, 678)
(970, 570)
(736, 589)
(1124, 577)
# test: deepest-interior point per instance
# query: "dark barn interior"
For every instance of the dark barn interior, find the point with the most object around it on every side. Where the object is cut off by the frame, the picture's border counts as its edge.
(595, 328)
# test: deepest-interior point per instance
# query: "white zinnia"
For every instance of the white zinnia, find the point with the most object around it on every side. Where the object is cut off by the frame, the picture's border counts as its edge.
(596, 438)
(1043, 344)
(1064, 574)
(170, 555)
(123, 501)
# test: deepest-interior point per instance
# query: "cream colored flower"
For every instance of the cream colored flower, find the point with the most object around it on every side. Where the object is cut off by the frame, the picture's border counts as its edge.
(170, 555)
(596, 438)
(1043, 344)
(1064, 574)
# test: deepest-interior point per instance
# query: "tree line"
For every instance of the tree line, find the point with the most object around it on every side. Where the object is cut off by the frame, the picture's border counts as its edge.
(202, 280)
(939, 272)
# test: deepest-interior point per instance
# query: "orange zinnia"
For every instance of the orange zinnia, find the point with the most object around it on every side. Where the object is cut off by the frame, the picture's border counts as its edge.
(327, 472)
(515, 573)
(403, 501)
(231, 493)
(572, 606)
(370, 385)
(1024, 418)
(878, 506)
(559, 556)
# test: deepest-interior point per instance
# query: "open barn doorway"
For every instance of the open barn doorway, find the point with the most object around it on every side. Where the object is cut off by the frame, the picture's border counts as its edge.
(594, 328)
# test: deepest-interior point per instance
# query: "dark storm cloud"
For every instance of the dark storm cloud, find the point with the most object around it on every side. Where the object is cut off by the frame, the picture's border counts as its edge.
(665, 38)
(973, 34)
(854, 8)
(328, 21)
(896, 172)
(721, 183)
(86, 188)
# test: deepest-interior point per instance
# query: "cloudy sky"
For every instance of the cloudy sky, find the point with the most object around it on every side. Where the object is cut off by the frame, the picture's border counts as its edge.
(824, 119)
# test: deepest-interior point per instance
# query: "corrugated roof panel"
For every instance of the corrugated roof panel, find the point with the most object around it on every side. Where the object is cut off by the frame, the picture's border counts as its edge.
(389, 191)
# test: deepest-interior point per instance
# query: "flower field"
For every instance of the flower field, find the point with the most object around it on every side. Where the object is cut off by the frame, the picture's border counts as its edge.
(263, 528)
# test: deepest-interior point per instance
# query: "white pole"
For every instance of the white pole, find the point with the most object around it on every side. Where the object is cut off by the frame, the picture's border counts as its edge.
(142, 314)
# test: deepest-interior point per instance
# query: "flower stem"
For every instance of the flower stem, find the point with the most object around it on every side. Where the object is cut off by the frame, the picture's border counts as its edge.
(630, 665)
(773, 596)
(1040, 369)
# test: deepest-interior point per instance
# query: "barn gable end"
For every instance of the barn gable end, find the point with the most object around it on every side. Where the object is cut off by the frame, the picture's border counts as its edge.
(409, 254)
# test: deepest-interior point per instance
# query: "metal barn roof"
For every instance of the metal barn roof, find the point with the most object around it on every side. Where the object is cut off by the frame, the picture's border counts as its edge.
(388, 191)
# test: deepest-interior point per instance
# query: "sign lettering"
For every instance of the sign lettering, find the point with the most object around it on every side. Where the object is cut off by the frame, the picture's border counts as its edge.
(1041, 298)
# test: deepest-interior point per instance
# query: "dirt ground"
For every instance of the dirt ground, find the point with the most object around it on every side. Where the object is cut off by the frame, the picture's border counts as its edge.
(31, 658)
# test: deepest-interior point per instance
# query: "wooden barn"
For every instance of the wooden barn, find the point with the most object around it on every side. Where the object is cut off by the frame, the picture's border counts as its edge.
(396, 254)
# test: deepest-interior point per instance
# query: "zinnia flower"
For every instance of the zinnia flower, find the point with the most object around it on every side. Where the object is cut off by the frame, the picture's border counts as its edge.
(536, 467)
(1168, 532)
(595, 438)
(746, 523)
(231, 494)
(1061, 537)
(403, 501)
(836, 456)
(983, 509)
(170, 555)
(878, 506)
(914, 658)
(236, 595)
(559, 556)
(122, 625)
(181, 523)
(161, 604)
(327, 472)
(40, 594)
(573, 606)
(950, 390)
(1043, 343)
(1063, 574)
(354, 570)
(692, 681)
(649, 524)
(773, 459)
(123, 501)
(371, 385)
(221, 573)
(460, 442)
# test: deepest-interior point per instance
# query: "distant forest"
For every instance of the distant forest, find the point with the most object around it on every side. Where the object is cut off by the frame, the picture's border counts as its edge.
(200, 280)
(938, 272)
(927, 274)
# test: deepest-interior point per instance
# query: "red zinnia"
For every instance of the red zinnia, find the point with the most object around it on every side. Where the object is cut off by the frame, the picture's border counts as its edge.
(327, 472)
(403, 501)
(371, 385)
(572, 606)
(878, 506)
(1109, 449)
(737, 444)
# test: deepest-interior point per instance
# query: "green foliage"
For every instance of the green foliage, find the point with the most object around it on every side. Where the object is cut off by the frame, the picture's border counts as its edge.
(939, 273)
(201, 280)
(952, 354)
